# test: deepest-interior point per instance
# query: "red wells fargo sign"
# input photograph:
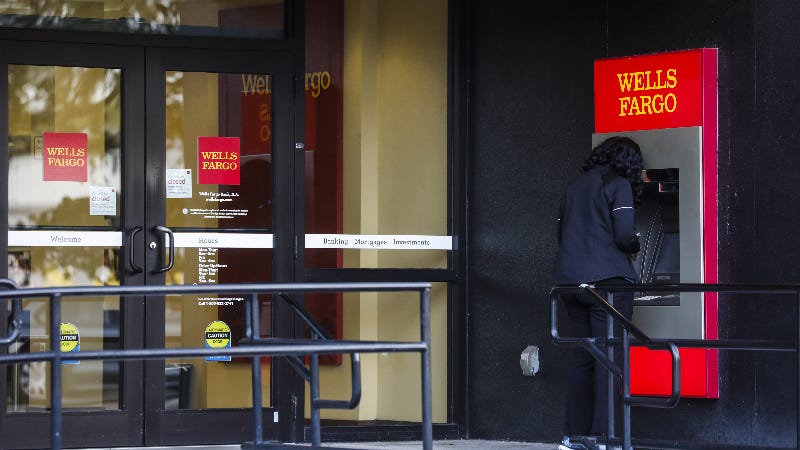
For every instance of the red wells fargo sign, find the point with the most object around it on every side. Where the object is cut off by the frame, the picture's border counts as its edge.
(218, 160)
(65, 156)
(650, 92)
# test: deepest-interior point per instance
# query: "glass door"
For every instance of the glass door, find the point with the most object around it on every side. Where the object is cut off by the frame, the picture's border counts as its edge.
(213, 140)
(141, 166)
(72, 131)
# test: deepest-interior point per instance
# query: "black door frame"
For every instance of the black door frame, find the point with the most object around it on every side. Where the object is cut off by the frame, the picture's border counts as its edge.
(210, 426)
(117, 428)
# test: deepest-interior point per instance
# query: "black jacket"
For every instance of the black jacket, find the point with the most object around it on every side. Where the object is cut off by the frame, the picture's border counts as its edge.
(596, 229)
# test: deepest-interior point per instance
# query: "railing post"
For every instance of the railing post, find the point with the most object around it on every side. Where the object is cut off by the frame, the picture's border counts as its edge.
(425, 335)
(55, 371)
(254, 332)
(626, 389)
(610, 391)
(316, 432)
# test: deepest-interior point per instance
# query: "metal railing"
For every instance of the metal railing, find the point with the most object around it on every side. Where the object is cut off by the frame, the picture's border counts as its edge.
(252, 345)
(605, 355)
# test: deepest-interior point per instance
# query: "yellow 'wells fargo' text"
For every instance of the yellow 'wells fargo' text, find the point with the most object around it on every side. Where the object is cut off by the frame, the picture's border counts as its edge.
(649, 80)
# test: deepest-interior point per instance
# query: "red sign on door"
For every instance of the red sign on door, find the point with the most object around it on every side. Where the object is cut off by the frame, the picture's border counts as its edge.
(218, 160)
(65, 156)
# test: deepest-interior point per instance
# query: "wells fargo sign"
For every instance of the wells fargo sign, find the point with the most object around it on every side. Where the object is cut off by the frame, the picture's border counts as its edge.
(65, 156)
(652, 91)
(218, 160)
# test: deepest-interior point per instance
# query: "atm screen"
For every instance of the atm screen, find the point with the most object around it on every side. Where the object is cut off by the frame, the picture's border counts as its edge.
(658, 226)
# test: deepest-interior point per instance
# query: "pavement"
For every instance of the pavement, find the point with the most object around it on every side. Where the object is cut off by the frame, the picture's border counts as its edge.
(467, 444)
(457, 444)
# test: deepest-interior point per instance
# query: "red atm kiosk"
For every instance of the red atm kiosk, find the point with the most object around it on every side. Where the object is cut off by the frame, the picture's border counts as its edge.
(667, 103)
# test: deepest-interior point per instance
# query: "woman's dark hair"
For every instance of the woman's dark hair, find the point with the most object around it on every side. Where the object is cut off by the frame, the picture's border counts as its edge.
(624, 157)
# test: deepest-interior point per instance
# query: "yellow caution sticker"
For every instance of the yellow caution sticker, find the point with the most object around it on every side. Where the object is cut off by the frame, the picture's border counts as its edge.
(218, 335)
(70, 340)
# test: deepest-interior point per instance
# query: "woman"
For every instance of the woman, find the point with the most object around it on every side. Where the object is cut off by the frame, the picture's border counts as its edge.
(597, 241)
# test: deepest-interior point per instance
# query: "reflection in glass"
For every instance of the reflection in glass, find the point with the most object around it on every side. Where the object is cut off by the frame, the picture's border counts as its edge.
(210, 200)
(240, 18)
(46, 99)
(384, 171)
(60, 100)
(88, 384)
(194, 100)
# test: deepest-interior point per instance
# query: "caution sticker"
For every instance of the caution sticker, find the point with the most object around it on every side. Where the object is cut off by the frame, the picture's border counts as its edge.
(218, 335)
(70, 341)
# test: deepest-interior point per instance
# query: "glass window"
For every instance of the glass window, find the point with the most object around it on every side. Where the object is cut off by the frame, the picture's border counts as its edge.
(376, 134)
(376, 185)
(235, 18)
(64, 192)
(219, 158)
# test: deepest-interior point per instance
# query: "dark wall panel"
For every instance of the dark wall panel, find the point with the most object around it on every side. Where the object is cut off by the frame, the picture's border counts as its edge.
(530, 123)
(530, 126)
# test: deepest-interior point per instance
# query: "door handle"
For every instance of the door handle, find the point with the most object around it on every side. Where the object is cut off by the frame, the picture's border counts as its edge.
(171, 239)
(131, 263)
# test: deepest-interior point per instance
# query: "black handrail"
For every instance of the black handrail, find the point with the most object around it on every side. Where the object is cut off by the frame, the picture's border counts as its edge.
(15, 319)
(312, 376)
(252, 345)
(672, 345)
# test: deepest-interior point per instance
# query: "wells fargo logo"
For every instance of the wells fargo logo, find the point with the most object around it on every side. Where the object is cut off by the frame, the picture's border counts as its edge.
(256, 106)
(663, 90)
(641, 84)
(315, 82)
(218, 160)
(65, 156)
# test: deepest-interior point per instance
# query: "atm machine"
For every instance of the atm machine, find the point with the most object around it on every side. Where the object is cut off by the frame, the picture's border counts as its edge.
(669, 221)
(667, 103)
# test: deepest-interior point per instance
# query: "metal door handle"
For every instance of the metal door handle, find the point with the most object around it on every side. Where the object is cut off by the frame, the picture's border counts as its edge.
(131, 263)
(171, 240)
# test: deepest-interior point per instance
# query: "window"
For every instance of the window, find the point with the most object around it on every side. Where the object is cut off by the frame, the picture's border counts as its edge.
(231, 18)
(376, 183)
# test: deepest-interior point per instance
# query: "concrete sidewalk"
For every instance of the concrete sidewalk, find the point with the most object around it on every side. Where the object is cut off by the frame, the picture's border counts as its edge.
(467, 444)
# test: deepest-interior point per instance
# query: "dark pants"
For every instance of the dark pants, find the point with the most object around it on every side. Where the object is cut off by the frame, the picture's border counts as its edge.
(586, 399)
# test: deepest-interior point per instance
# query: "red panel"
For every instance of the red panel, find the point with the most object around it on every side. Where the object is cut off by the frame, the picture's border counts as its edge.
(651, 372)
(324, 105)
(710, 211)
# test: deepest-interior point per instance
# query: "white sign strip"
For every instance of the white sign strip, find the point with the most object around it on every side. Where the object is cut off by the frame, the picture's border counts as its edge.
(223, 240)
(44, 238)
(380, 242)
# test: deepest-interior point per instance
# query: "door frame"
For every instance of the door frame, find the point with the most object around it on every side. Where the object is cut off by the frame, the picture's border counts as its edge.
(140, 67)
(211, 426)
(119, 427)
